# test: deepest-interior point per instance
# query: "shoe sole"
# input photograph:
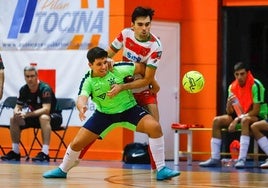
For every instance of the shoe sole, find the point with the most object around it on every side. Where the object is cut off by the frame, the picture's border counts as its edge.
(54, 177)
(168, 178)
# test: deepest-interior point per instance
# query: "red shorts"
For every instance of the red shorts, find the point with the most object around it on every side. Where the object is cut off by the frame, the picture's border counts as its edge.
(145, 97)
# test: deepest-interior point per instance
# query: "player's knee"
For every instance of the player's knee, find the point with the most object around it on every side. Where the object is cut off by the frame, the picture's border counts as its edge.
(155, 130)
(76, 146)
(217, 123)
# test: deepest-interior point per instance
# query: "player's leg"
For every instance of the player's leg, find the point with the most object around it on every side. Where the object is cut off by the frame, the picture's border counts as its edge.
(244, 140)
(84, 150)
(149, 102)
(71, 157)
(87, 134)
(257, 129)
(153, 109)
(15, 131)
(153, 129)
(219, 122)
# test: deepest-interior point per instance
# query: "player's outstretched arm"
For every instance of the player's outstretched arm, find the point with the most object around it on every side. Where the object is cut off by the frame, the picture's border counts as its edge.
(142, 82)
(81, 105)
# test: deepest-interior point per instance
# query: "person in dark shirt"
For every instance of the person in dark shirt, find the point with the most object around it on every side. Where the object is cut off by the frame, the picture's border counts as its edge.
(40, 102)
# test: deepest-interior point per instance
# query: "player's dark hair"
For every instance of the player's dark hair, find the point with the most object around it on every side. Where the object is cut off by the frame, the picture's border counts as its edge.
(142, 12)
(240, 65)
(95, 53)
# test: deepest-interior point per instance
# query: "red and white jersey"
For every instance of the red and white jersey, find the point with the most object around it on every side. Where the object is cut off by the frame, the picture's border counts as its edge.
(148, 52)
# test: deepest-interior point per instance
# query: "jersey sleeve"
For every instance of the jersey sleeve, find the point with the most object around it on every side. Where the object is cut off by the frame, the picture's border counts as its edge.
(156, 54)
(46, 94)
(21, 97)
(229, 91)
(117, 43)
(85, 88)
(258, 92)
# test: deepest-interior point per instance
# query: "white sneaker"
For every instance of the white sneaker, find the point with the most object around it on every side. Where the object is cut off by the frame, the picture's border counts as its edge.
(265, 164)
(211, 163)
(240, 164)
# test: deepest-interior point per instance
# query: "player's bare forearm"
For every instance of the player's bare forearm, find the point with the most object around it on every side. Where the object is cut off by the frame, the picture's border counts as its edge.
(38, 112)
(147, 79)
(136, 84)
(81, 105)
(81, 102)
(116, 88)
(110, 52)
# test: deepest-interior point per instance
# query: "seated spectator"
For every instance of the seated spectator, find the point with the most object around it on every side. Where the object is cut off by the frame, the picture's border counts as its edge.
(42, 113)
(257, 129)
(249, 92)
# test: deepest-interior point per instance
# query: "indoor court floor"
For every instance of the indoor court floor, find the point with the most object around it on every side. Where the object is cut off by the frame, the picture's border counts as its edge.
(116, 174)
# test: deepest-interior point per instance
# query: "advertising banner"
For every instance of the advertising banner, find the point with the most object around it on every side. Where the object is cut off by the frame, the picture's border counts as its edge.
(55, 36)
(53, 24)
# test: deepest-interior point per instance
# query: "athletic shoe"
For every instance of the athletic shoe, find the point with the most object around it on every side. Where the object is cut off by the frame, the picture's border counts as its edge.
(11, 156)
(166, 173)
(41, 157)
(265, 164)
(240, 164)
(55, 173)
(211, 163)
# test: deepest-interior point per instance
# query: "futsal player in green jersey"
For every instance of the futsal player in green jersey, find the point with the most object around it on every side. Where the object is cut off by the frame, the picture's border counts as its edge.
(110, 110)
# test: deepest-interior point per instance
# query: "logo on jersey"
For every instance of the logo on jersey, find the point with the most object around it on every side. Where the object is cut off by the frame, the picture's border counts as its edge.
(111, 81)
(102, 96)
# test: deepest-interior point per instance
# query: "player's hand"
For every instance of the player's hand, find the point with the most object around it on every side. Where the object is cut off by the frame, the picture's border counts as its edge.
(19, 114)
(230, 102)
(230, 99)
(115, 89)
(110, 64)
(82, 112)
(154, 89)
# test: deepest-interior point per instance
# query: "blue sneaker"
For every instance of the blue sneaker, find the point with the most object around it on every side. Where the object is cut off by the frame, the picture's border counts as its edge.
(55, 173)
(166, 173)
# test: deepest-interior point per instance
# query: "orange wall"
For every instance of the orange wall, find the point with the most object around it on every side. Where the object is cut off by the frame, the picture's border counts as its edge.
(164, 10)
(199, 52)
(245, 2)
